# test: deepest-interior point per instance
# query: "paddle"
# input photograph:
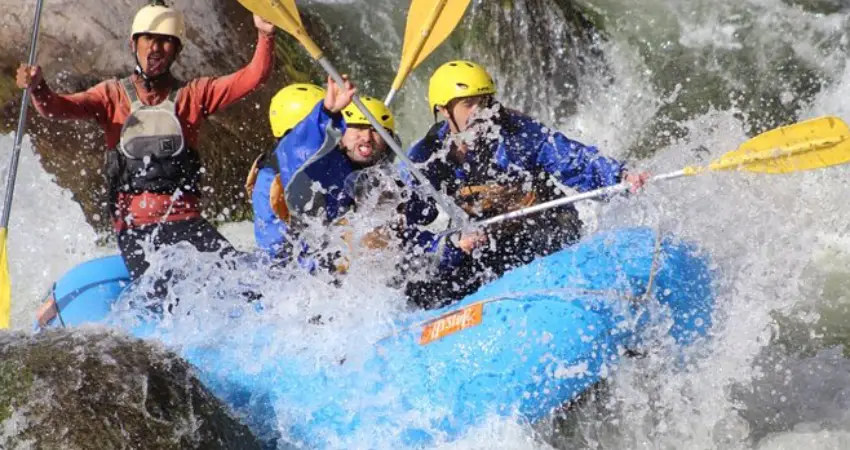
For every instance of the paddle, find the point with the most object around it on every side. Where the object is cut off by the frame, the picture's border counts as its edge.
(812, 144)
(5, 280)
(429, 23)
(284, 14)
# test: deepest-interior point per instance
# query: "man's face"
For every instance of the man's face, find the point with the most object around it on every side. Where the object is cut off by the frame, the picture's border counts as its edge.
(459, 111)
(363, 145)
(155, 52)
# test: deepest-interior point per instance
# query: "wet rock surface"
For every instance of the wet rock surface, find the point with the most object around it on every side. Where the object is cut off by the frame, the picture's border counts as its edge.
(98, 390)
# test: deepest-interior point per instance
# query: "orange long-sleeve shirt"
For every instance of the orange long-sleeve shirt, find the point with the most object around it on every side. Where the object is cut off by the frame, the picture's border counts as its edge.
(108, 104)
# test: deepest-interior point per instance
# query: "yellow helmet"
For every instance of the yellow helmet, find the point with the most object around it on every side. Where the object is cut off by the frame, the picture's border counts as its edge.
(353, 116)
(158, 18)
(291, 105)
(458, 79)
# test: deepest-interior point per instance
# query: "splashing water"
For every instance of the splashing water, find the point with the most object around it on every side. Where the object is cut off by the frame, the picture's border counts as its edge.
(47, 233)
(688, 80)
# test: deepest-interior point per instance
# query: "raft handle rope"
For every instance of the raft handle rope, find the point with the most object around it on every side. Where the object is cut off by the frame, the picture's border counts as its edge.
(653, 269)
(60, 303)
(653, 272)
(56, 307)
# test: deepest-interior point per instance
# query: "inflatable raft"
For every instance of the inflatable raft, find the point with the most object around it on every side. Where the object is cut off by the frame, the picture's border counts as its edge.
(521, 346)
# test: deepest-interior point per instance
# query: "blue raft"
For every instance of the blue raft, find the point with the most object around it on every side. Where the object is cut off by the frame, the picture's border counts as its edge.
(521, 346)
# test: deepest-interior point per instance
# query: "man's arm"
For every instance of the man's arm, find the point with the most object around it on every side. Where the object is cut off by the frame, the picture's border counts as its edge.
(220, 92)
(92, 104)
(306, 139)
(577, 165)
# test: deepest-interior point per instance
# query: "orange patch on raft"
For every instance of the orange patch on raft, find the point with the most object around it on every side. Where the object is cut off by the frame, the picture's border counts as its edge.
(460, 320)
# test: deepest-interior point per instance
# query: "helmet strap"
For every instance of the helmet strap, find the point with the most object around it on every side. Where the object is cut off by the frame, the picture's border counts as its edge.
(452, 119)
(450, 114)
(147, 80)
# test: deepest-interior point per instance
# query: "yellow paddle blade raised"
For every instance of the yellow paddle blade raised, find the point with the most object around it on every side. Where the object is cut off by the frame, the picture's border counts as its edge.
(429, 23)
(284, 15)
(5, 284)
(807, 145)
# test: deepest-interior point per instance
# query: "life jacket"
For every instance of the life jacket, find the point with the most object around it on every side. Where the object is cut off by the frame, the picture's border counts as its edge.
(488, 200)
(277, 196)
(152, 156)
(278, 199)
(490, 185)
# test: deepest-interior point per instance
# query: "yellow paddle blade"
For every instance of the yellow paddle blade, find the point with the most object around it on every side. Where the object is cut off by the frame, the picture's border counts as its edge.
(284, 14)
(5, 284)
(811, 144)
(429, 23)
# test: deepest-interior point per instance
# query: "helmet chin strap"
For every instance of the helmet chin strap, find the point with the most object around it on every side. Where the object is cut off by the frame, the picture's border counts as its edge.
(453, 121)
(448, 108)
(148, 80)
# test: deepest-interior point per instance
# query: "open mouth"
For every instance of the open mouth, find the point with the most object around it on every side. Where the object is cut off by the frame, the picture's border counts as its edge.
(156, 63)
(364, 150)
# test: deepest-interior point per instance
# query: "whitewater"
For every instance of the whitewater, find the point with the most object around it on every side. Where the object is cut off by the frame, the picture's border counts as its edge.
(774, 374)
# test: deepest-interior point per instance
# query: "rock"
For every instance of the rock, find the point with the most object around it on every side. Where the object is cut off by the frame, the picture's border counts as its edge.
(82, 43)
(99, 390)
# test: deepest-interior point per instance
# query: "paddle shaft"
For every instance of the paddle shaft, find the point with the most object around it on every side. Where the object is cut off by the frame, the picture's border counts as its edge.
(391, 142)
(390, 96)
(610, 190)
(22, 123)
(408, 64)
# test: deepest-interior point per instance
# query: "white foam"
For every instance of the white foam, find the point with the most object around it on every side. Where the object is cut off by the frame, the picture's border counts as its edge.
(48, 233)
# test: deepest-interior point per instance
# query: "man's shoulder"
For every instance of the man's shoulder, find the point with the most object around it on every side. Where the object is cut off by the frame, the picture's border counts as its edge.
(521, 131)
(422, 149)
(521, 122)
(109, 90)
(108, 85)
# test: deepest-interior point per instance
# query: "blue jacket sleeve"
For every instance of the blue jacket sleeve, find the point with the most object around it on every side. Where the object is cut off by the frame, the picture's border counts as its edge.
(577, 165)
(305, 140)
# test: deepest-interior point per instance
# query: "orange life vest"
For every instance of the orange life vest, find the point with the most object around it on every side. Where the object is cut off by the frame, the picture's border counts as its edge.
(277, 196)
